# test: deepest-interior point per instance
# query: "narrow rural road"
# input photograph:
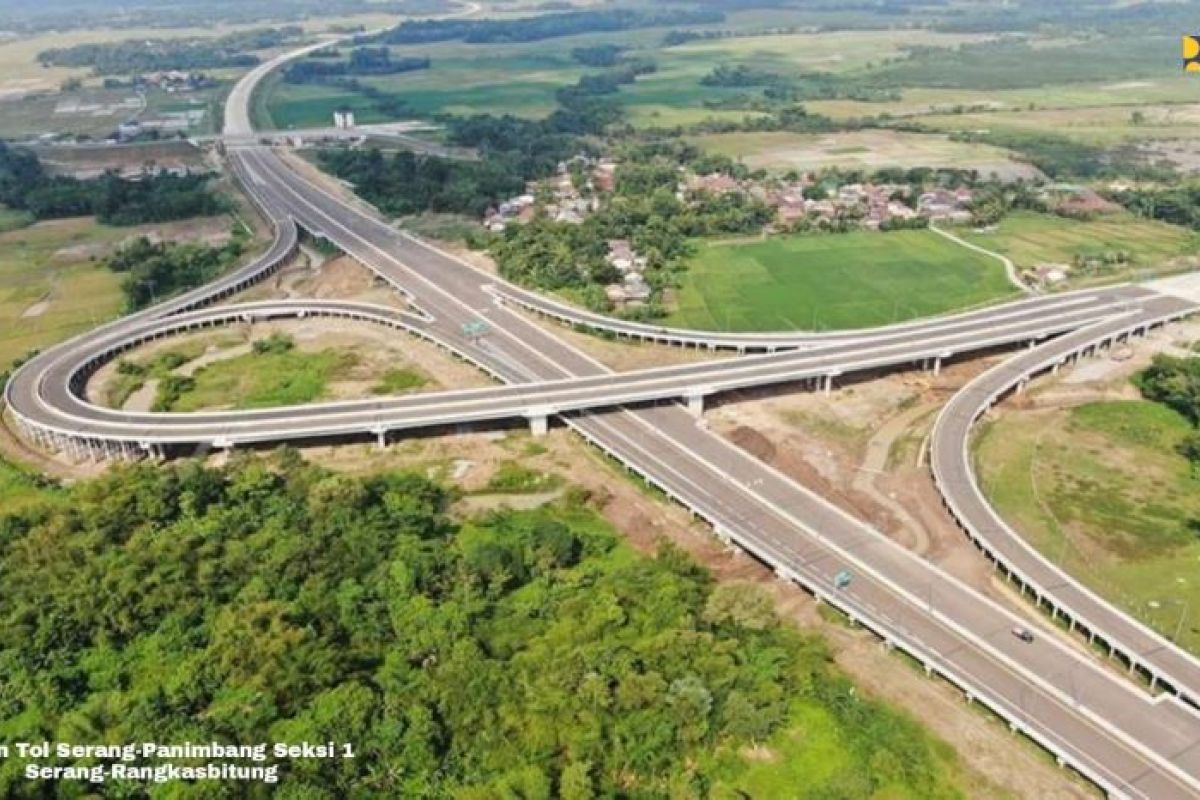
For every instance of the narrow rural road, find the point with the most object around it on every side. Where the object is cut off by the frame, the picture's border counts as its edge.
(1010, 269)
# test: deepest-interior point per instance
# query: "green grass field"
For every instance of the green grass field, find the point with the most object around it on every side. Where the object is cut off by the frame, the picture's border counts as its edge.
(399, 379)
(1029, 239)
(263, 380)
(11, 219)
(50, 285)
(832, 281)
(1063, 478)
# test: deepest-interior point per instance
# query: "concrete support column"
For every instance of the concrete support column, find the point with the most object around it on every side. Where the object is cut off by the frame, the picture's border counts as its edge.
(827, 385)
(937, 366)
(695, 404)
(539, 424)
(1021, 385)
(380, 438)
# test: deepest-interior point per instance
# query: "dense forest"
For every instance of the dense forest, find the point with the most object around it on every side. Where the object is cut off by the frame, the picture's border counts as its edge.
(543, 26)
(515, 655)
(160, 197)
(155, 270)
(155, 55)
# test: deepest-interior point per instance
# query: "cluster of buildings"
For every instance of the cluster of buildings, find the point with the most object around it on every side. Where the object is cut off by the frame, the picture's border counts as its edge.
(633, 290)
(169, 123)
(560, 198)
(173, 81)
(871, 205)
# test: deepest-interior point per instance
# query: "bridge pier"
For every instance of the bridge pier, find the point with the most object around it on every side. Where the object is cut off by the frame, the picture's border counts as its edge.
(539, 420)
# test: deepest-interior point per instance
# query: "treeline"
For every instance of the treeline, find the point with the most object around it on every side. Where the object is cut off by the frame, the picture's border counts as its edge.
(1179, 205)
(739, 75)
(405, 183)
(156, 55)
(362, 61)
(543, 26)
(512, 151)
(1175, 382)
(601, 55)
(155, 270)
(519, 654)
(779, 89)
(160, 197)
(609, 81)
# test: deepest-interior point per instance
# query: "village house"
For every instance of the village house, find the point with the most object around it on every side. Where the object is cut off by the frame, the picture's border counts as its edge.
(715, 183)
(1047, 274)
(604, 176)
(623, 258)
(945, 204)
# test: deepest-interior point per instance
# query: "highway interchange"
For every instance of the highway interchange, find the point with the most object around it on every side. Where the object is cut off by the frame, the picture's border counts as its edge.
(1130, 741)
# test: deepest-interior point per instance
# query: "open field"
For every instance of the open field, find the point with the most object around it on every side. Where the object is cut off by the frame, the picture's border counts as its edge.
(832, 281)
(1062, 477)
(917, 100)
(1097, 125)
(12, 219)
(521, 78)
(50, 285)
(263, 380)
(53, 283)
(1030, 239)
(861, 150)
(20, 71)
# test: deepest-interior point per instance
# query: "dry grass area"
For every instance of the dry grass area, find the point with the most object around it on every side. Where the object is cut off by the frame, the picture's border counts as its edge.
(868, 149)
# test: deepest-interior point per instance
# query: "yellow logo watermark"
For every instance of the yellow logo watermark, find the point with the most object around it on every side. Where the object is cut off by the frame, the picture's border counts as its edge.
(1191, 53)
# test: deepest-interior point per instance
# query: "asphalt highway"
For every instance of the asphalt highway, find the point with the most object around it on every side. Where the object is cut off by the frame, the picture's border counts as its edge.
(950, 460)
(1129, 741)
(1122, 736)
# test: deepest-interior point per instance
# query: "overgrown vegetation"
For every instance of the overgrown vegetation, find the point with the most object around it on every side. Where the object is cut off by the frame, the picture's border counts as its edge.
(1178, 205)
(407, 183)
(514, 478)
(273, 373)
(399, 379)
(132, 375)
(157, 270)
(517, 655)
(1175, 382)
(152, 197)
